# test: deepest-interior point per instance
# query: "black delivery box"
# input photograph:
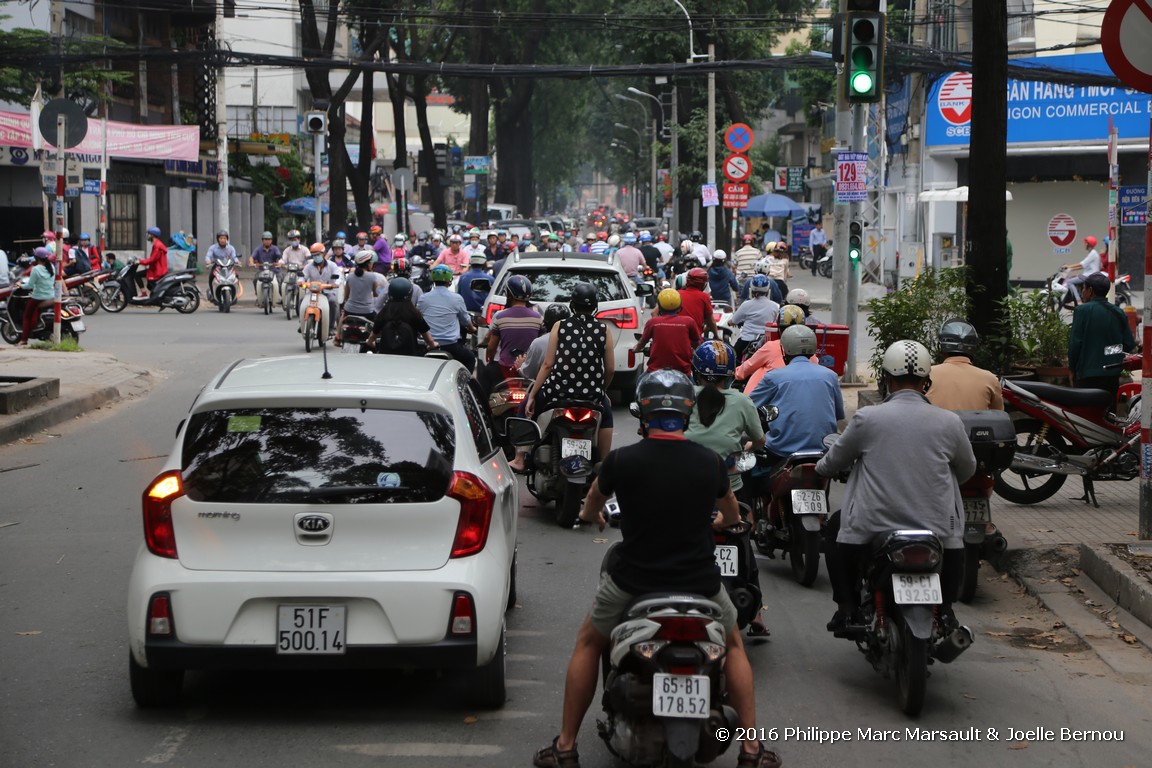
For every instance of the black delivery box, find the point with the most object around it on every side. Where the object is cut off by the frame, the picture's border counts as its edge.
(993, 438)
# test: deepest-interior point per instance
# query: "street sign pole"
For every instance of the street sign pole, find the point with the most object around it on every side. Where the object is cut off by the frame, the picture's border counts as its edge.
(61, 207)
(852, 292)
(1145, 529)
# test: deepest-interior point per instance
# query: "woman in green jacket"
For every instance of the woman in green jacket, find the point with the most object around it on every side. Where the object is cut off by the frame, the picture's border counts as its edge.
(40, 281)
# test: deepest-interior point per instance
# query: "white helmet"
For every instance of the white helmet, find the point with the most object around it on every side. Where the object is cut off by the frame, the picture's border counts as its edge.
(762, 267)
(64, 232)
(614, 241)
(907, 358)
(686, 246)
(719, 255)
(798, 340)
(798, 296)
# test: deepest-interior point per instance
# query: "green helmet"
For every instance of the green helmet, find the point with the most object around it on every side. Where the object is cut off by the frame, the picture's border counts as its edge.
(442, 273)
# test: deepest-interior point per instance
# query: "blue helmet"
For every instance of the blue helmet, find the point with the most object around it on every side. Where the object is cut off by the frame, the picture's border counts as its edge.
(645, 236)
(519, 288)
(629, 238)
(85, 236)
(441, 273)
(714, 360)
(760, 284)
(154, 231)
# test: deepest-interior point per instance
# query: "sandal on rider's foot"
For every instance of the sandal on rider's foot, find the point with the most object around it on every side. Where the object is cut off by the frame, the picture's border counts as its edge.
(762, 758)
(553, 757)
(757, 629)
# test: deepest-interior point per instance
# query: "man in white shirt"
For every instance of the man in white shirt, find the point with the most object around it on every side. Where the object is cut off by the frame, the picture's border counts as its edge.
(1090, 265)
(818, 242)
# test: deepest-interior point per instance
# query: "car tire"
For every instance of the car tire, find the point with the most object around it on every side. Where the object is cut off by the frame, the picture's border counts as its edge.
(154, 687)
(486, 687)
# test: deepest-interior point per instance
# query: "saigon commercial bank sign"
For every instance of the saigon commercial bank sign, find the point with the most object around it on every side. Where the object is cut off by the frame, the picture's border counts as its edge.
(1042, 112)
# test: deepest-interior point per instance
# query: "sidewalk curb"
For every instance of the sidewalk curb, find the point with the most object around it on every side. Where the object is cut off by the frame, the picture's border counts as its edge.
(1118, 580)
(56, 412)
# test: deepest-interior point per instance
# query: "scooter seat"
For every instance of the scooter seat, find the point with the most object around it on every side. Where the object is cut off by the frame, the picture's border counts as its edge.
(653, 602)
(1082, 398)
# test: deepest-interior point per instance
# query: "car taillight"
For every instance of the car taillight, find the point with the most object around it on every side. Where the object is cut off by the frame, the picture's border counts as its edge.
(624, 318)
(463, 620)
(159, 533)
(490, 313)
(577, 414)
(681, 629)
(160, 616)
(476, 502)
(916, 555)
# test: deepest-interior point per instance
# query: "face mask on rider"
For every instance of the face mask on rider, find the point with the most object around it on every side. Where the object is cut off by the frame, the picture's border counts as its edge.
(318, 259)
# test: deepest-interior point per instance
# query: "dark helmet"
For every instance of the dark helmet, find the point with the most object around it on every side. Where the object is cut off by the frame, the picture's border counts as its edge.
(584, 298)
(519, 288)
(958, 337)
(714, 360)
(554, 314)
(697, 236)
(399, 289)
(665, 391)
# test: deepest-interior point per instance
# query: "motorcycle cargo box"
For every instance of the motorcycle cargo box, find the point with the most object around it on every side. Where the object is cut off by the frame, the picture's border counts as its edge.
(993, 437)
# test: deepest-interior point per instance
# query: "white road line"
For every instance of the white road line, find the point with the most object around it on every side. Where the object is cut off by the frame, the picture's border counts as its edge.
(521, 657)
(506, 714)
(168, 747)
(522, 683)
(422, 749)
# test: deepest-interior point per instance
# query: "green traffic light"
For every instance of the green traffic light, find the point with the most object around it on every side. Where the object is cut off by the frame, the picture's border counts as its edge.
(861, 82)
(854, 254)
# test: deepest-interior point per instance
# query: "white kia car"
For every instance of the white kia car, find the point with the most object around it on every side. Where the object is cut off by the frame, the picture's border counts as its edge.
(366, 520)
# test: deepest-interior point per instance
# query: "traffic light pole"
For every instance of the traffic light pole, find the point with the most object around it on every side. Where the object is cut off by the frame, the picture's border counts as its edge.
(852, 290)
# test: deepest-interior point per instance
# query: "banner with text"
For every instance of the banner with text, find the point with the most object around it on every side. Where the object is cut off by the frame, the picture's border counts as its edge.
(125, 140)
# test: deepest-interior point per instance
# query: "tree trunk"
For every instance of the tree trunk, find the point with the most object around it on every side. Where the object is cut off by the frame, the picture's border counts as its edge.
(435, 188)
(987, 169)
(360, 177)
(398, 94)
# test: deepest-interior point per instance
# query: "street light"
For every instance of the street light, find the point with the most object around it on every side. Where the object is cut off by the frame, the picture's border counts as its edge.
(652, 147)
(635, 160)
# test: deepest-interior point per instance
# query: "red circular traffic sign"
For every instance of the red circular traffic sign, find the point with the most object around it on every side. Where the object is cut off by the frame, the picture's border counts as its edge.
(1124, 36)
(1062, 229)
(955, 101)
(737, 168)
(739, 137)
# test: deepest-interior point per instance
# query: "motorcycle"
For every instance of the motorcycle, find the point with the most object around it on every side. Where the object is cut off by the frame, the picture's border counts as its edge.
(83, 290)
(1122, 291)
(560, 442)
(738, 571)
(420, 275)
(804, 256)
(12, 304)
(503, 404)
(354, 333)
(1061, 431)
(790, 518)
(176, 290)
(314, 313)
(290, 290)
(1060, 295)
(225, 284)
(824, 265)
(993, 441)
(265, 288)
(664, 688)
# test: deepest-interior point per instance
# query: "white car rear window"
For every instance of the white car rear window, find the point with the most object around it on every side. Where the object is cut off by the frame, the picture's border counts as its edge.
(556, 284)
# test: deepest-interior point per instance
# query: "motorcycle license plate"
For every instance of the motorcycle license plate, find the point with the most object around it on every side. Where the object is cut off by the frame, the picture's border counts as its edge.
(809, 501)
(316, 629)
(916, 588)
(572, 447)
(727, 560)
(977, 511)
(681, 695)
(78, 326)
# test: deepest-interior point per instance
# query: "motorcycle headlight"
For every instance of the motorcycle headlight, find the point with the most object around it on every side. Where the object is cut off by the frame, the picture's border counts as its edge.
(648, 648)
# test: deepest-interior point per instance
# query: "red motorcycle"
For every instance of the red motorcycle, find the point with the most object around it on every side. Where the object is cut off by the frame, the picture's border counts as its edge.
(790, 518)
(1061, 431)
(993, 440)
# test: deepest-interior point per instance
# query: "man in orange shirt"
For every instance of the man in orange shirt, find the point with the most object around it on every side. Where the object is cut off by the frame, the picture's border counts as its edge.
(957, 385)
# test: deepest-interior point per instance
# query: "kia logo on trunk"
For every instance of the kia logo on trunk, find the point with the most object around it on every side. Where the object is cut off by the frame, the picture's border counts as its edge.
(313, 523)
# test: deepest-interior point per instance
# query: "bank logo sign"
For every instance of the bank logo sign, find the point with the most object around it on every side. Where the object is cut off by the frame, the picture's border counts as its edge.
(1042, 112)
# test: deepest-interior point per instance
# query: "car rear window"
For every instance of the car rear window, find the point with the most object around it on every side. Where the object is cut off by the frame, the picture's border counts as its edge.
(556, 284)
(317, 456)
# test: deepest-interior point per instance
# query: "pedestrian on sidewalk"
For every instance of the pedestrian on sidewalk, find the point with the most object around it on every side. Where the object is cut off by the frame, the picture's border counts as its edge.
(818, 239)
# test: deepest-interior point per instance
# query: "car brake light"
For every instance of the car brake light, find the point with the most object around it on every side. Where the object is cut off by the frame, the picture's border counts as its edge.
(160, 616)
(463, 614)
(490, 313)
(159, 533)
(681, 629)
(578, 414)
(476, 502)
(624, 318)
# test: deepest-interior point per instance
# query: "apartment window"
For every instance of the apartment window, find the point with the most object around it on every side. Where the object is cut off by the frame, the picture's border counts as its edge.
(1021, 26)
(123, 220)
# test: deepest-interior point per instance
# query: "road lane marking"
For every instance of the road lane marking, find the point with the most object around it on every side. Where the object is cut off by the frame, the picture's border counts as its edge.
(520, 657)
(168, 747)
(422, 749)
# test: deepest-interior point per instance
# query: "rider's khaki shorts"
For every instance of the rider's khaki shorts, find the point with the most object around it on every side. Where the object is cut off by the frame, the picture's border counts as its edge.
(611, 602)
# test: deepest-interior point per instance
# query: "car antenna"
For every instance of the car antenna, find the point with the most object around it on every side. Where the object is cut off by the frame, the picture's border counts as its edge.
(324, 352)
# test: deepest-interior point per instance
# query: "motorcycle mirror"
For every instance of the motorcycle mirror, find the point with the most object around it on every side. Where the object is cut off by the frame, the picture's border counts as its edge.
(643, 289)
(522, 432)
(768, 413)
(634, 409)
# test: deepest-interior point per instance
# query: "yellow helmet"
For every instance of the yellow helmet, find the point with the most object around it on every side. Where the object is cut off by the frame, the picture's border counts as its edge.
(771, 246)
(669, 300)
(790, 314)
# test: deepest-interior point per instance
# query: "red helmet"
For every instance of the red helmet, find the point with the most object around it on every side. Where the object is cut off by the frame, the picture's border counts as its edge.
(602, 235)
(749, 239)
(697, 277)
(1090, 241)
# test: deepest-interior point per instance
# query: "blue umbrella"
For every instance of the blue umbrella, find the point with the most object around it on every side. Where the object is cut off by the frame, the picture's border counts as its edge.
(303, 206)
(773, 205)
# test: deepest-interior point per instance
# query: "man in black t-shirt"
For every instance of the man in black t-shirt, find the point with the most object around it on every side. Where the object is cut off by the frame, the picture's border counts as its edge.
(667, 546)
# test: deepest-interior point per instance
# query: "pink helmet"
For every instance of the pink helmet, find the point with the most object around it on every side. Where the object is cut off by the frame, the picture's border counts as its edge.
(1090, 241)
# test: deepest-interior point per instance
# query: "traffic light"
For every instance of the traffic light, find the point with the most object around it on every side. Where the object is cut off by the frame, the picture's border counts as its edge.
(316, 121)
(864, 59)
(855, 241)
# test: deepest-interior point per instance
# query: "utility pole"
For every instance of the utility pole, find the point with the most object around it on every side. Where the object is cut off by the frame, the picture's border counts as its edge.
(255, 98)
(711, 238)
(841, 266)
(673, 167)
(61, 170)
(852, 266)
(221, 126)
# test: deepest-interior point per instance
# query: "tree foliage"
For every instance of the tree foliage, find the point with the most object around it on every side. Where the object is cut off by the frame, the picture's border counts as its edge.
(84, 84)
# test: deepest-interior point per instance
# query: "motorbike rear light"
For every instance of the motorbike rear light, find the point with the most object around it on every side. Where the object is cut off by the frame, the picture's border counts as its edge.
(648, 648)
(476, 502)
(625, 318)
(916, 556)
(160, 616)
(463, 615)
(712, 651)
(682, 669)
(578, 414)
(682, 629)
(159, 534)
(517, 395)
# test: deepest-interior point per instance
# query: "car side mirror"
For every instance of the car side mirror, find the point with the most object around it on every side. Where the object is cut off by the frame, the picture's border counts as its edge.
(643, 289)
(521, 432)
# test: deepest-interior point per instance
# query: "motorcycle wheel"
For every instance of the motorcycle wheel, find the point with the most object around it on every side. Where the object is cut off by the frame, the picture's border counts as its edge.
(806, 260)
(825, 269)
(1025, 488)
(309, 333)
(289, 303)
(88, 298)
(568, 508)
(911, 671)
(225, 304)
(266, 301)
(113, 299)
(192, 296)
(10, 332)
(970, 574)
(803, 553)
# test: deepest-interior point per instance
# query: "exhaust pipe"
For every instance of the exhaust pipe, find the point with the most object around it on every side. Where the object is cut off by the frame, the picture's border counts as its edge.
(1023, 462)
(996, 543)
(954, 644)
